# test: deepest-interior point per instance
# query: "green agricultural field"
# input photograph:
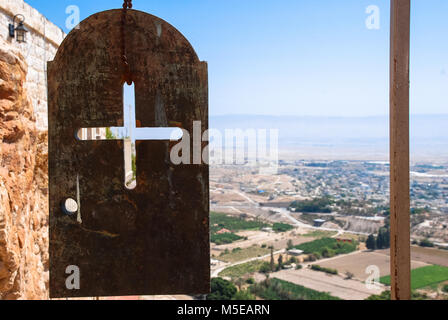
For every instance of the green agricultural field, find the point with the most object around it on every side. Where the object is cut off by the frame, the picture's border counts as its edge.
(424, 276)
(276, 289)
(282, 227)
(244, 254)
(240, 270)
(320, 205)
(327, 247)
(220, 221)
(224, 238)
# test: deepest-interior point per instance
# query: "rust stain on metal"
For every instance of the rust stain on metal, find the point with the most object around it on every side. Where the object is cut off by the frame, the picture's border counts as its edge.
(153, 239)
(399, 151)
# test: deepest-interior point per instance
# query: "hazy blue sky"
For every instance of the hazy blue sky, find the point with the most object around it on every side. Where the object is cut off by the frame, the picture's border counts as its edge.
(299, 57)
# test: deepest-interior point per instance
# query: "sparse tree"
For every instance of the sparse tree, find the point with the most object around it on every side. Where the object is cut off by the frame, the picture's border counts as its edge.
(243, 295)
(221, 290)
(386, 237)
(290, 244)
(109, 134)
(239, 283)
(349, 275)
(265, 268)
(292, 260)
(280, 262)
(272, 259)
(371, 242)
(383, 239)
(426, 243)
(379, 240)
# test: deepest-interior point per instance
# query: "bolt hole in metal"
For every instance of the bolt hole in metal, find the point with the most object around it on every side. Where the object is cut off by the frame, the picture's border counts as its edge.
(69, 206)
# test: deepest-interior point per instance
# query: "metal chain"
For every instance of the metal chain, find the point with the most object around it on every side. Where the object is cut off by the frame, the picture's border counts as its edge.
(127, 69)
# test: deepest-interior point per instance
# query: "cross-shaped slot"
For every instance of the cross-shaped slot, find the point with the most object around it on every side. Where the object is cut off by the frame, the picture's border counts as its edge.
(130, 134)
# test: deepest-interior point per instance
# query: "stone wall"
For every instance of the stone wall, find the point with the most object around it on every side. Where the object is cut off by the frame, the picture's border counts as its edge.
(23, 152)
(43, 41)
(23, 186)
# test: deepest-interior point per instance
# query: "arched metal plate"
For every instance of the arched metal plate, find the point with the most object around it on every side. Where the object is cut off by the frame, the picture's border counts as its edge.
(153, 239)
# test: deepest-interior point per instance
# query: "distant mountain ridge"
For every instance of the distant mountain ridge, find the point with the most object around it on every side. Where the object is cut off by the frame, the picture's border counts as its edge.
(333, 128)
(345, 137)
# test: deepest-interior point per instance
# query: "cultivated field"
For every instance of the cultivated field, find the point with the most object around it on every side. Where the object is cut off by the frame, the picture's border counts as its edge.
(425, 276)
(428, 255)
(243, 254)
(334, 285)
(276, 289)
(277, 240)
(240, 270)
(327, 247)
(357, 263)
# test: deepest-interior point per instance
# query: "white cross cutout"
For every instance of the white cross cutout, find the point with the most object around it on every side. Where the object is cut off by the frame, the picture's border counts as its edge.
(130, 133)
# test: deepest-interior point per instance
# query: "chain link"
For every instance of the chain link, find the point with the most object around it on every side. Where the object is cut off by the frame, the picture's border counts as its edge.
(126, 68)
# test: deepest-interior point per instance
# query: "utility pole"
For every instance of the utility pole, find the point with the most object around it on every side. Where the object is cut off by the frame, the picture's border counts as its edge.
(400, 250)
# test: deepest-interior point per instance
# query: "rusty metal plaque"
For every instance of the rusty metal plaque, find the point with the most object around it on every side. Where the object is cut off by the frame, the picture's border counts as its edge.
(153, 239)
